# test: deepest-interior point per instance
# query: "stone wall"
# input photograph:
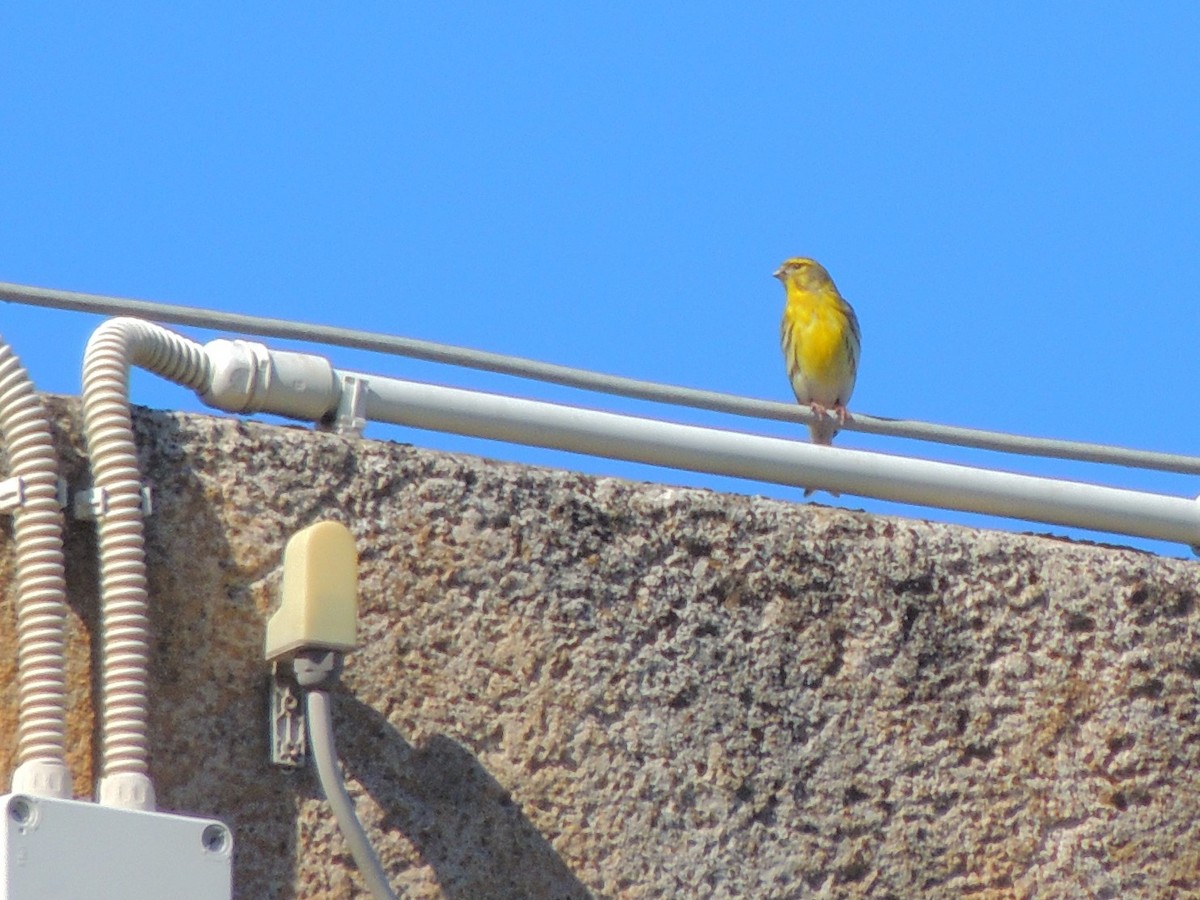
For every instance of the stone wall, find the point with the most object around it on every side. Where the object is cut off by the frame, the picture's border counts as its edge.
(584, 687)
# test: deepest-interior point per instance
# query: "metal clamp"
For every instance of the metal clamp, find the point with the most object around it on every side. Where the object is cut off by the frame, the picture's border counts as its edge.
(351, 416)
(13, 494)
(93, 503)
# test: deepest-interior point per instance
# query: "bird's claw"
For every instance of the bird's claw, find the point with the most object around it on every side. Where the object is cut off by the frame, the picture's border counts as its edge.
(838, 410)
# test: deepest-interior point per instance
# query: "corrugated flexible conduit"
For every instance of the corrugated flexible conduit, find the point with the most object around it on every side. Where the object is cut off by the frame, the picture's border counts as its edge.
(117, 486)
(41, 588)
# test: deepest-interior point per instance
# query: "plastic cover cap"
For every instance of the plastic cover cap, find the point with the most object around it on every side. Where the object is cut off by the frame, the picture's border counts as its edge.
(319, 597)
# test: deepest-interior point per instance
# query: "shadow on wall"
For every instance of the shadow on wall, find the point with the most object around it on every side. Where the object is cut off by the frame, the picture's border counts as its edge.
(207, 620)
(461, 821)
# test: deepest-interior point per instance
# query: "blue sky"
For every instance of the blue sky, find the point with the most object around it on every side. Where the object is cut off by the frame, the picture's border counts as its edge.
(1008, 194)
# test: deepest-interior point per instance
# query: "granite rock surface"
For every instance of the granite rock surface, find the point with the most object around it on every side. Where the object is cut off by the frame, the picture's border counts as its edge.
(571, 686)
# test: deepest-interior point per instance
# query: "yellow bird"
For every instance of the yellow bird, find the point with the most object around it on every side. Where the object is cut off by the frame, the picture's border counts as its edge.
(821, 341)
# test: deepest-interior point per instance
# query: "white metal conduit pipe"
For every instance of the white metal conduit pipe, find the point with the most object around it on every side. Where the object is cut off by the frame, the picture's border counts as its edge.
(41, 589)
(253, 378)
(779, 461)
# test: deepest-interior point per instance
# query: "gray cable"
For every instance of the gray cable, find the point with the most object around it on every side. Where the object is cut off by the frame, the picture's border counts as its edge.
(320, 733)
(593, 381)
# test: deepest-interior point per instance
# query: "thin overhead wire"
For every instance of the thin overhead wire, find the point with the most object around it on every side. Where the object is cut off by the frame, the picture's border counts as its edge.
(585, 379)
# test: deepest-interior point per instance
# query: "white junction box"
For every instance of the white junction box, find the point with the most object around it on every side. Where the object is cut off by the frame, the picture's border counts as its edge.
(83, 851)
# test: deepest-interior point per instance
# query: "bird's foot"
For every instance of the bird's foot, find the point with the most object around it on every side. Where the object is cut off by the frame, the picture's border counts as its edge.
(843, 414)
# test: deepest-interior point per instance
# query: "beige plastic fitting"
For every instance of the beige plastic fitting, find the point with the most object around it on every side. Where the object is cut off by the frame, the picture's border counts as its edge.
(319, 596)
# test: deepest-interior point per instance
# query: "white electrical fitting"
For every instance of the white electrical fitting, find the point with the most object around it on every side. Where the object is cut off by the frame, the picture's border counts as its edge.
(247, 377)
(52, 848)
(41, 588)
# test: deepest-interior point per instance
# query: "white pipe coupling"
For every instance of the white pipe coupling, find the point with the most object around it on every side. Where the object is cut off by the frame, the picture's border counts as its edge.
(249, 377)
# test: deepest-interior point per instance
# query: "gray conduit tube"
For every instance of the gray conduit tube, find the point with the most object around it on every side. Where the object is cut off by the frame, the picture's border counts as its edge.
(320, 733)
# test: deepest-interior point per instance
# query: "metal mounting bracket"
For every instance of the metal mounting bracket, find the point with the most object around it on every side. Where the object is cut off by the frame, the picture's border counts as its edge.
(351, 416)
(289, 736)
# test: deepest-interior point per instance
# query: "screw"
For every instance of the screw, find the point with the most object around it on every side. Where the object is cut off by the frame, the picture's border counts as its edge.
(215, 838)
(20, 810)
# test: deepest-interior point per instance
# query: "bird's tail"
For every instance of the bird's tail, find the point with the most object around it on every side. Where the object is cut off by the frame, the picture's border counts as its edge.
(822, 432)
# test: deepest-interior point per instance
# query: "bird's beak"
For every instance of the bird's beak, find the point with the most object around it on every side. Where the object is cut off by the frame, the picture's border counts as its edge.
(778, 273)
